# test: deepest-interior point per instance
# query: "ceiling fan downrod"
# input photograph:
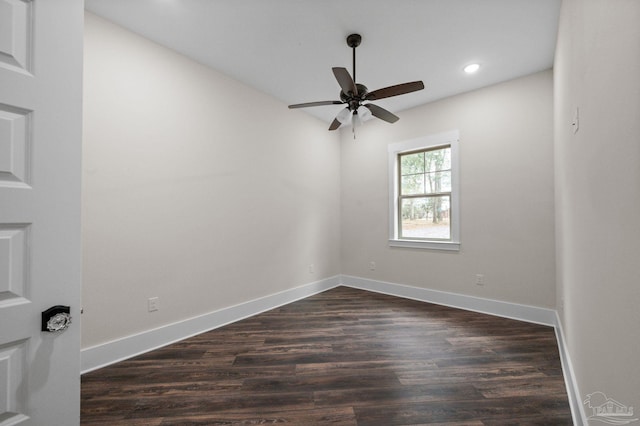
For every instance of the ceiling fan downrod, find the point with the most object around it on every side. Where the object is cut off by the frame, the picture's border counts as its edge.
(353, 41)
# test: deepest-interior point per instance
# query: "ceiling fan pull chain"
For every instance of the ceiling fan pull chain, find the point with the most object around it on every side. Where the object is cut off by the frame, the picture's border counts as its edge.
(355, 121)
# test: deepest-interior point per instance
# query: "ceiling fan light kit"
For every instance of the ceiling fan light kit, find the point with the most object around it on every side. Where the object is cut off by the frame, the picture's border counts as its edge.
(358, 98)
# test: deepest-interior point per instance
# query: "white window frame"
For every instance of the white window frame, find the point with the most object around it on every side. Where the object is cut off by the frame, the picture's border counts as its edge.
(451, 138)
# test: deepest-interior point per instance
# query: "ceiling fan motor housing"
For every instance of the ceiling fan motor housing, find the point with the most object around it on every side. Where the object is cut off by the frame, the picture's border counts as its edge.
(354, 101)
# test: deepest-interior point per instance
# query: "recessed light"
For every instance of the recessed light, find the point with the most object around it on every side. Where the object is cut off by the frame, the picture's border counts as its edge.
(471, 68)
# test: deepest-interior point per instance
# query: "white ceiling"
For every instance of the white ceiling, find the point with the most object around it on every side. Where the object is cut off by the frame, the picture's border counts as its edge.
(287, 48)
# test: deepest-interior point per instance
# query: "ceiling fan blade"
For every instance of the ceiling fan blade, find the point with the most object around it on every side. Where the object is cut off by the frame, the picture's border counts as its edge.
(398, 89)
(312, 104)
(382, 113)
(335, 124)
(345, 81)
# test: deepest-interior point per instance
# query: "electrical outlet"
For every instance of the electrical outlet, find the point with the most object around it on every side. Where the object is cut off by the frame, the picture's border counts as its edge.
(153, 304)
(479, 279)
(372, 266)
(312, 269)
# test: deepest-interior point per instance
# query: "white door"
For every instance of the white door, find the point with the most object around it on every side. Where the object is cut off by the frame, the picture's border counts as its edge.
(40, 151)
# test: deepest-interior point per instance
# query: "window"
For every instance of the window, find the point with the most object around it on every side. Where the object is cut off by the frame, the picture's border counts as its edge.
(423, 188)
(424, 194)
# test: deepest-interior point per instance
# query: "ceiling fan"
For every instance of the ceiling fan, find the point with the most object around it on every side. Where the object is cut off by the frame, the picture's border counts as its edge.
(357, 97)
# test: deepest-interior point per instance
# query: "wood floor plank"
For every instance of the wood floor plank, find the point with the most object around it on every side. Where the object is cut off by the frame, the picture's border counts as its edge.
(311, 417)
(388, 394)
(344, 357)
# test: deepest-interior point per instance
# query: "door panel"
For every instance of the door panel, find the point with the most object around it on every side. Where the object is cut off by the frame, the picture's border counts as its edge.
(40, 146)
(16, 34)
(15, 127)
(13, 263)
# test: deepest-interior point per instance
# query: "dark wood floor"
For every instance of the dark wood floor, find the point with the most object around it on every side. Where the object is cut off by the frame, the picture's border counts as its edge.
(342, 357)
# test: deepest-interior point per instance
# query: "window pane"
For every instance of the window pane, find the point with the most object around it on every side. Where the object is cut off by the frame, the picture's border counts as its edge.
(412, 163)
(438, 159)
(412, 184)
(427, 217)
(438, 182)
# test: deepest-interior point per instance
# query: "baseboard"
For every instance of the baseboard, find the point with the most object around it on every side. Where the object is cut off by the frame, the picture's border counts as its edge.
(575, 401)
(99, 356)
(516, 311)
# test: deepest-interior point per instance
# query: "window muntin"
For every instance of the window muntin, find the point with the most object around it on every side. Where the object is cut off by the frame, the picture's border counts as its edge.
(424, 194)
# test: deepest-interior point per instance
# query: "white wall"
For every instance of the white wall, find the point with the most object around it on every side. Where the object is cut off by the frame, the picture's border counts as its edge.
(197, 189)
(597, 69)
(507, 216)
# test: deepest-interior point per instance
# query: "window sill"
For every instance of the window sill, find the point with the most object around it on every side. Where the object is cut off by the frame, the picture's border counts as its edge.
(429, 245)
